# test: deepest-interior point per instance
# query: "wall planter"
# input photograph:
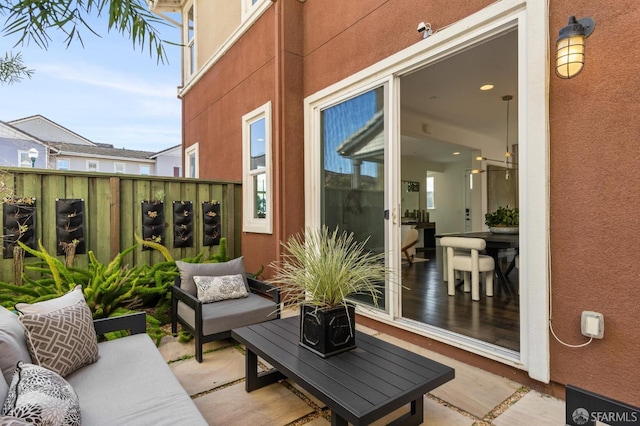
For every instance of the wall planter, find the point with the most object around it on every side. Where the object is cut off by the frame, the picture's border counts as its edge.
(327, 331)
(70, 226)
(153, 222)
(19, 221)
(211, 223)
(182, 224)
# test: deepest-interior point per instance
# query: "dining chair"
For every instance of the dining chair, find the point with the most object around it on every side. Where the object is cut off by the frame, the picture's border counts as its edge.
(463, 254)
(409, 242)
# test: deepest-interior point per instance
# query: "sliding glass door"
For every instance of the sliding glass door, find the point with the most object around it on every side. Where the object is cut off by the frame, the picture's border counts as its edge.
(353, 135)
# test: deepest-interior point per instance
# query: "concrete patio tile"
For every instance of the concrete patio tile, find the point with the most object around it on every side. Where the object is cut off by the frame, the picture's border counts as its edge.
(320, 421)
(434, 414)
(171, 349)
(312, 398)
(218, 368)
(271, 405)
(473, 390)
(536, 408)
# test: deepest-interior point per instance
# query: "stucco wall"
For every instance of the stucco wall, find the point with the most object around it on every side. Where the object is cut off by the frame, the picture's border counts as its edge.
(595, 194)
(594, 151)
(244, 79)
(222, 18)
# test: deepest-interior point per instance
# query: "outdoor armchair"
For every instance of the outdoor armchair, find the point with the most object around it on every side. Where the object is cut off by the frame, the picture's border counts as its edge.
(211, 321)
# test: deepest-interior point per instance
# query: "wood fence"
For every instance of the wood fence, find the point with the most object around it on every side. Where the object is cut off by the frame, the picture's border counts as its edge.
(113, 212)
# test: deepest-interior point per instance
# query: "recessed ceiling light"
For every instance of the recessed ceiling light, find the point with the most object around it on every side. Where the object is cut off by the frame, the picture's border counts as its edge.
(486, 87)
(456, 153)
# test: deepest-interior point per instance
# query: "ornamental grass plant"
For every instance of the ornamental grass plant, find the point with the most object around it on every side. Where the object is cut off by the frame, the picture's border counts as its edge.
(323, 268)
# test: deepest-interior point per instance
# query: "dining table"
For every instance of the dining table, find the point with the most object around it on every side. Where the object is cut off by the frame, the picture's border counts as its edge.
(495, 243)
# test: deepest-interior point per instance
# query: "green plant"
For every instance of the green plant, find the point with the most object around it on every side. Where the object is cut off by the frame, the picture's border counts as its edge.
(504, 216)
(323, 268)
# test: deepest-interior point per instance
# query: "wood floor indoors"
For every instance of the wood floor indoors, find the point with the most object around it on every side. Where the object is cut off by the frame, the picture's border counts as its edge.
(494, 319)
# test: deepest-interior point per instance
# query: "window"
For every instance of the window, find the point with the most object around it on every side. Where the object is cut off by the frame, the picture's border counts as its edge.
(190, 37)
(23, 159)
(248, 6)
(431, 204)
(191, 161)
(62, 164)
(92, 166)
(256, 167)
(176, 172)
(144, 170)
(118, 167)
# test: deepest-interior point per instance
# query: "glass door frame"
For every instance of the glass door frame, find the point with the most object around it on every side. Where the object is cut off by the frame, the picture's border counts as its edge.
(531, 18)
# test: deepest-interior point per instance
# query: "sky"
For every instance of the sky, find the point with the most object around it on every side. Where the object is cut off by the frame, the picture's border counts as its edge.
(105, 91)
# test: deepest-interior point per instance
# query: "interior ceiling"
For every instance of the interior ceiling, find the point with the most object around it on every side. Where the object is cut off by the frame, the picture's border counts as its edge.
(449, 92)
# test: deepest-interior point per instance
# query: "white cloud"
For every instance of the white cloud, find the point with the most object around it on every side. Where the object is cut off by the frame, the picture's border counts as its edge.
(102, 77)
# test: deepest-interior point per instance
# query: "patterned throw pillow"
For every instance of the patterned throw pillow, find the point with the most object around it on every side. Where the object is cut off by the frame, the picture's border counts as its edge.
(189, 270)
(62, 340)
(215, 289)
(40, 396)
(67, 299)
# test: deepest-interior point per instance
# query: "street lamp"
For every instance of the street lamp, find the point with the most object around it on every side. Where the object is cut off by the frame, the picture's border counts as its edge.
(33, 156)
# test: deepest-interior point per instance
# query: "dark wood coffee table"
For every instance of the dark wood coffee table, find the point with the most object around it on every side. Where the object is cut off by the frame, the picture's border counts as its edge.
(359, 386)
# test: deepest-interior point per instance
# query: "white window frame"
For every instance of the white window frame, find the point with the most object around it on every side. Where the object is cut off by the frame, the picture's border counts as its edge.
(433, 192)
(22, 163)
(123, 166)
(147, 166)
(250, 223)
(188, 152)
(97, 163)
(63, 159)
(248, 7)
(190, 51)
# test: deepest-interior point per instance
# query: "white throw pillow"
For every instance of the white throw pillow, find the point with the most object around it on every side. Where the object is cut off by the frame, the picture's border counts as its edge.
(46, 306)
(40, 396)
(215, 289)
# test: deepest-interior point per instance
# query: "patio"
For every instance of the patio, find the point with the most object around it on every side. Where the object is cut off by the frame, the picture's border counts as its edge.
(474, 397)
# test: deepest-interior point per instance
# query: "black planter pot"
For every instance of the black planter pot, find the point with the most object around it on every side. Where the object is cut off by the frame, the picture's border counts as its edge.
(327, 332)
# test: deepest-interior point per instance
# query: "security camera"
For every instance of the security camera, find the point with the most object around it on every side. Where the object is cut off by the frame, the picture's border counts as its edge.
(425, 28)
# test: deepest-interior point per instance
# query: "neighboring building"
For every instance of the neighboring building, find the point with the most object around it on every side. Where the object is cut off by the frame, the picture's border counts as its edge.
(322, 108)
(169, 161)
(62, 149)
(15, 146)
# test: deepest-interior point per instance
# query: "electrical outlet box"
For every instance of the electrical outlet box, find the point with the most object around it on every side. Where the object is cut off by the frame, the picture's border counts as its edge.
(592, 324)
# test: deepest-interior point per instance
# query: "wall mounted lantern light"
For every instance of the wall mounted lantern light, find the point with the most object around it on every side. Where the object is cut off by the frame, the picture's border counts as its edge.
(33, 156)
(570, 46)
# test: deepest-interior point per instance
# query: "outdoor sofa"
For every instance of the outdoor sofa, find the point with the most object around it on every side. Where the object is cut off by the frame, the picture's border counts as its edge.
(128, 384)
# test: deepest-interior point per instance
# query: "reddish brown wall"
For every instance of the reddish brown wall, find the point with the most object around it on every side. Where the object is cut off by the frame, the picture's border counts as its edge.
(264, 65)
(356, 34)
(595, 188)
(296, 49)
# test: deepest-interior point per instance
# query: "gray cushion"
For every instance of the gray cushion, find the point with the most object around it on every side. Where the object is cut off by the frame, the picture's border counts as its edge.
(62, 340)
(4, 388)
(42, 397)
(13, 345)
(189, 270)
(132, 385)
(228, 314)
